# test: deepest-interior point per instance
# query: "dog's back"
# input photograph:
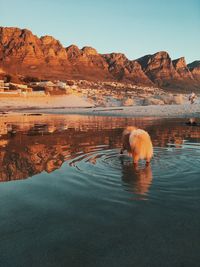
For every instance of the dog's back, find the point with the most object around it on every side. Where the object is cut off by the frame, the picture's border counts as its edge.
(138, 143)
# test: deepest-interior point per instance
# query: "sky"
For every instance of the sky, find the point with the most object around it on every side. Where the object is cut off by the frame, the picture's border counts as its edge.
(132, 27)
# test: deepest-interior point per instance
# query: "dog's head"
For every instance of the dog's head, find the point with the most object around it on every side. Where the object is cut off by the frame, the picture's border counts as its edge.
(129, 129)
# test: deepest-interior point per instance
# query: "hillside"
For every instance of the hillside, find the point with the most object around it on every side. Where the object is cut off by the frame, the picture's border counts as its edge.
(24, 54)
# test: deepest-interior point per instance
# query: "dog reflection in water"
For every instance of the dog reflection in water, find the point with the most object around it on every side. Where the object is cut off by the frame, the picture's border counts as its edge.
(138, 180)
(138, 143)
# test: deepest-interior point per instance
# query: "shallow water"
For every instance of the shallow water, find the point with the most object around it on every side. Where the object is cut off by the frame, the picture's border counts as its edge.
(68, 198)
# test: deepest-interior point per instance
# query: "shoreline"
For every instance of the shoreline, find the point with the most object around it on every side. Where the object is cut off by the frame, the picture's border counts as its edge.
(74, 104)
(163, 111)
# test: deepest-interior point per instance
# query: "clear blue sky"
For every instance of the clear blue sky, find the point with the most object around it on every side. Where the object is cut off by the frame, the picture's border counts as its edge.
(133, 27)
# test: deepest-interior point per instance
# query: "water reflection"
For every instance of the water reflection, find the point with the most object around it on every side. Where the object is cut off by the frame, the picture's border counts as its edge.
(136, 179)
(32, 144)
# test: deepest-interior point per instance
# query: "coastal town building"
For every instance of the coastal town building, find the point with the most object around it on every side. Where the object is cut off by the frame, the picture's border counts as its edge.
(3, 86)
(1, 83)
(9, 89)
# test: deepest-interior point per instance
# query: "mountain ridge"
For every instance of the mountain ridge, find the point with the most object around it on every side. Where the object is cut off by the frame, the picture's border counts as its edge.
(23, 53)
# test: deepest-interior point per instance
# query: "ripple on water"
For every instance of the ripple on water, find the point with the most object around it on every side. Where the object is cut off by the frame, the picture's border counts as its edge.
(172, 175)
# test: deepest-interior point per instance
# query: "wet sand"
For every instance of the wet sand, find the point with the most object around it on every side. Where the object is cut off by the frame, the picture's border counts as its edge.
(164, 111)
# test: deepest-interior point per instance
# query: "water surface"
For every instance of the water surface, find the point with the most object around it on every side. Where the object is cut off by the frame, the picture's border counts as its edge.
(68, 198)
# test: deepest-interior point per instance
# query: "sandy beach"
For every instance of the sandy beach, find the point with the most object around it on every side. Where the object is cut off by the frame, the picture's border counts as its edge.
(13, 103)
(72, 104)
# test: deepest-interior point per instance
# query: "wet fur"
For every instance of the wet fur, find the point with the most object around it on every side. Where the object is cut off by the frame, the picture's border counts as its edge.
(138, 143)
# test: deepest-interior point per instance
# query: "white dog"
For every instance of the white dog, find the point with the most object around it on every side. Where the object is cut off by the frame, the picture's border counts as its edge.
(138, 143)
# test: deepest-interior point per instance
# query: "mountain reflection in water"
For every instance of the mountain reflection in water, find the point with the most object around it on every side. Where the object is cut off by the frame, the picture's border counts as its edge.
(31, 145)
(88, 205)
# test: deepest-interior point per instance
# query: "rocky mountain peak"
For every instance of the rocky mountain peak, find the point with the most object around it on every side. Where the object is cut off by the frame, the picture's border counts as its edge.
(159, 59)
(49, 40)
(89, 50)
(73, 52)
(8, 34)
(194, 64)
(158, 67)
(181, 67)
(179, 63)
(116, 57)
(123, 69)
(194, 67)
(161, 55)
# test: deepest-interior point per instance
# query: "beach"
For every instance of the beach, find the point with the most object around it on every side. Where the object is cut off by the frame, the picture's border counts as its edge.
(72, 104)
(164, 111)
(14, 103)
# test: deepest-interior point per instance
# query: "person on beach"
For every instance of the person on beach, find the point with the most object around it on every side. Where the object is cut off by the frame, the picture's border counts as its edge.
(192, 97)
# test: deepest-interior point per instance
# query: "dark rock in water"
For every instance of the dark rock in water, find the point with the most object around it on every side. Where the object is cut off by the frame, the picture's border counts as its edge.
(33, 114)
(191, 122)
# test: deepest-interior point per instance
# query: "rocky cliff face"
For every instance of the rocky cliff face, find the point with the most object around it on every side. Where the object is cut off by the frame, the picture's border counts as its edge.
(23, 53)
(194, 67)
(168, 73)
(182, 68)
(123, 69)
(159, 68)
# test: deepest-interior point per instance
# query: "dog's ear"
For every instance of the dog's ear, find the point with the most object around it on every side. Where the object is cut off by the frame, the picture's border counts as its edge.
(129, 129)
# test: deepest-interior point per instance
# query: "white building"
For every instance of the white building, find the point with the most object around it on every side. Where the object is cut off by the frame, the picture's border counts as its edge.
(46, 84)
(62, 85)
(17, 85)
(1, 84)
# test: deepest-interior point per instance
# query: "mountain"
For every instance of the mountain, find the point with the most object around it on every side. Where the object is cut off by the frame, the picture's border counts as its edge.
(158, 67)
(194, 67)
(182, 68)
(168, 73)
(123, 69)
(23, 53)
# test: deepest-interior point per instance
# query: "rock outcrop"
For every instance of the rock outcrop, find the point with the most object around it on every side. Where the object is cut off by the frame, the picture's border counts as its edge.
(158, 68)
(182, 68)
(194, 67)
(168, 73)
(123, 69)
(23, 53)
